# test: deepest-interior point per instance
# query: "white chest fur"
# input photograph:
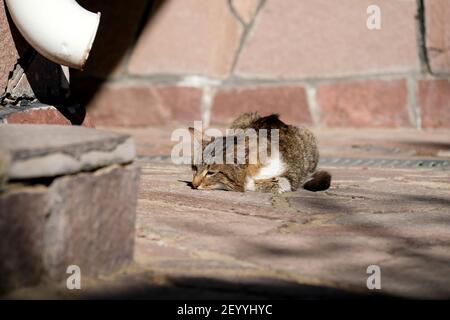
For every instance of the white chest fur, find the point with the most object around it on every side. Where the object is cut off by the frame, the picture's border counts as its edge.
(275, 167)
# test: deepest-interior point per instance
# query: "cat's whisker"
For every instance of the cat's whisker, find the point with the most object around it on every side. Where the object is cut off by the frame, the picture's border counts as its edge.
(188, 183)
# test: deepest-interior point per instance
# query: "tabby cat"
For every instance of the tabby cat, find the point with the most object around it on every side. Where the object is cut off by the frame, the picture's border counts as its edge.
(292, 167)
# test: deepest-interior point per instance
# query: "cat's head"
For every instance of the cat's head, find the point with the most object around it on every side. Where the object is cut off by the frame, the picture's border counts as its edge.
(208, 175)
(218, 177)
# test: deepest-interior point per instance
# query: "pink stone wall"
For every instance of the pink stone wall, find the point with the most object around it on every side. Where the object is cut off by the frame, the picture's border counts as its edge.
(313, 62)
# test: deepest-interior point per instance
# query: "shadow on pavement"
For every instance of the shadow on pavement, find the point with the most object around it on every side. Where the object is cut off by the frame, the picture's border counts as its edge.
(209, 288)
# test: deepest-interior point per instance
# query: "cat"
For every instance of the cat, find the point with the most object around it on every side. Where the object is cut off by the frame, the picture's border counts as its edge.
(294, 167)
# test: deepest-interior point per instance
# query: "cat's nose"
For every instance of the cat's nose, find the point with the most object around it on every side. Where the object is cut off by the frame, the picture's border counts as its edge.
(196, 183)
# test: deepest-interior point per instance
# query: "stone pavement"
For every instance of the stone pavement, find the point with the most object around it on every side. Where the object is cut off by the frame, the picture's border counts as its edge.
(218, 244)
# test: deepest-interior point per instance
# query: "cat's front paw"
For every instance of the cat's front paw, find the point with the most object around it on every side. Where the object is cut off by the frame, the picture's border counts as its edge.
(283, 185)
(273, 185)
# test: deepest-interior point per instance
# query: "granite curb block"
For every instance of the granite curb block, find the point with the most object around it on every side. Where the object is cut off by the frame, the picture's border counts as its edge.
(70, 200)
(38, 151)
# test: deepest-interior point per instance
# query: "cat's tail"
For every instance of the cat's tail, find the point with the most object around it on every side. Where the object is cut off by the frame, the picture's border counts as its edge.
(320, 181)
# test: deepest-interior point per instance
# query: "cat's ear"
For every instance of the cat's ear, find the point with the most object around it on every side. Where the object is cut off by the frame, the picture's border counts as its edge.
(195, 134)
(200, 136)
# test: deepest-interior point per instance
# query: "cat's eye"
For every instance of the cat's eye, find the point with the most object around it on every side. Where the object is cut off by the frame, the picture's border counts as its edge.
(211, 173)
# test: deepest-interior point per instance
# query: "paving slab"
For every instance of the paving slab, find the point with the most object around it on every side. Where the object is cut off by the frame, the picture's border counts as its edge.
(398, 219)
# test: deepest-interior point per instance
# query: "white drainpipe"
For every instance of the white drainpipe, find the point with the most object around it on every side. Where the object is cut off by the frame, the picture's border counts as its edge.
(60, 30)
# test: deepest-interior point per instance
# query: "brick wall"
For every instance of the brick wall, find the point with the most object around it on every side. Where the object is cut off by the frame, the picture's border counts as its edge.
(314, 62)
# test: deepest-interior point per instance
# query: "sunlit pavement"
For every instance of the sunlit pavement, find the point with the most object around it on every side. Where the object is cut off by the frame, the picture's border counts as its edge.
(215, 244)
